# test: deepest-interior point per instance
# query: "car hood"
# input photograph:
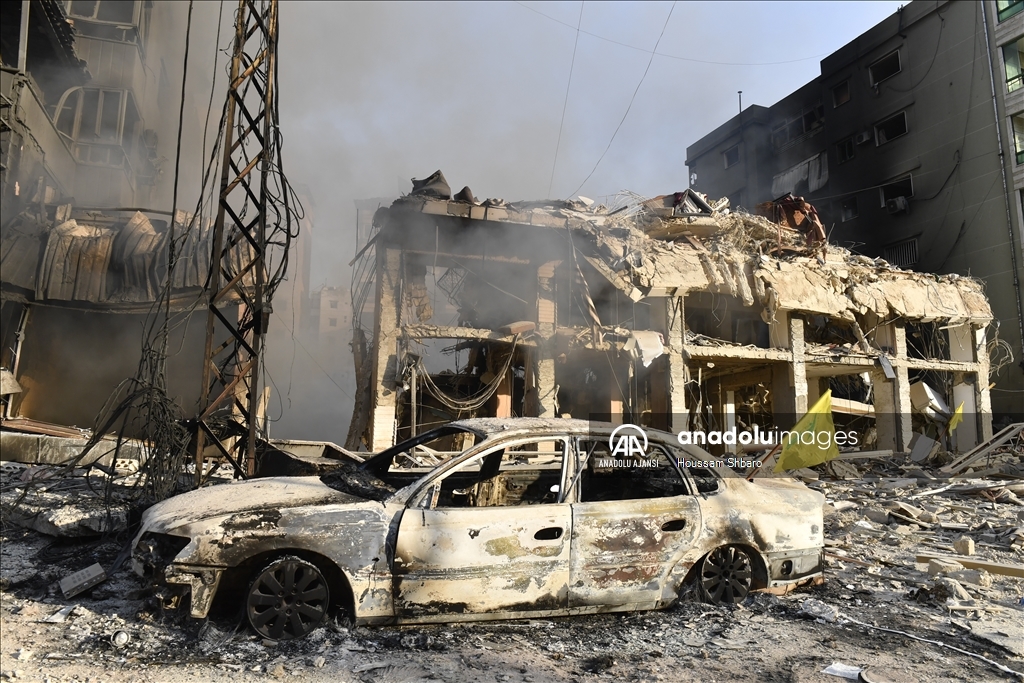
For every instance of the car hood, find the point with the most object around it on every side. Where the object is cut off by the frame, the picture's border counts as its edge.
(245, 496)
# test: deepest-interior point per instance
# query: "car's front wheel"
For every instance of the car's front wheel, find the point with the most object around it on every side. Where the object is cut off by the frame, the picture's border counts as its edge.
(726, 575)
(288, 599)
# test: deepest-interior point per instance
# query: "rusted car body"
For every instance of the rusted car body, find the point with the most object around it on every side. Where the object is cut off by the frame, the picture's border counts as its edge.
(527, 517)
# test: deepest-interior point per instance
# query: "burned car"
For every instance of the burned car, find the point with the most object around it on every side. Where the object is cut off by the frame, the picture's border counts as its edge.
(485, 519)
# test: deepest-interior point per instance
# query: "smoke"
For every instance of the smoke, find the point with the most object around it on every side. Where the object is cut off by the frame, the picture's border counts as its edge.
(376, 93)
(373, 94)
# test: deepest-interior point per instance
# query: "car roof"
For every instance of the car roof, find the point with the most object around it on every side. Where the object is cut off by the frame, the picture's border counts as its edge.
(495, 426)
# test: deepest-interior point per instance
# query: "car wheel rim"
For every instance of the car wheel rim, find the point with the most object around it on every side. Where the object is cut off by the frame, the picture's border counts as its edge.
(726, 575)
(287, 600)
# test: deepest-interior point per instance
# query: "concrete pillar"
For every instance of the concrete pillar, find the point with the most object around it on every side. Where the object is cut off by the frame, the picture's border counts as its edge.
(547, 314)
(544, 383)
(884, 400)
(671, 321)
(385, 351)
(961, 348)
(901, 390)
(983, 396)
(729, 408)
(789, 381)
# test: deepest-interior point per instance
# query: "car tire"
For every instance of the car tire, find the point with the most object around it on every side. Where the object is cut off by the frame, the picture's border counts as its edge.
(288, 599)
(726, 575)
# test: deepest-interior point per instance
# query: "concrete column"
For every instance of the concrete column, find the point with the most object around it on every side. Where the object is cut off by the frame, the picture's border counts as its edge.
(884, 400)
(729, 408)
(901, 390)
(961, 348)
(672, 322)
(546, 311)
(385, 351)
(983, 396)
(789, 381)
(544, 382)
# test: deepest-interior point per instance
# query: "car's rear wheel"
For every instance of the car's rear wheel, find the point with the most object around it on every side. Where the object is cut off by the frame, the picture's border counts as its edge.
(726, 575)
(288, 599)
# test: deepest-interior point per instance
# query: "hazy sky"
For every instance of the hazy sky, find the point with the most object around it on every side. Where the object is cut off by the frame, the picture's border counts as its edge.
(373, 94)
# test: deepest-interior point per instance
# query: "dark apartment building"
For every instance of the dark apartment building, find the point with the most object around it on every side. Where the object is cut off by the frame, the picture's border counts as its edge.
(910, 144)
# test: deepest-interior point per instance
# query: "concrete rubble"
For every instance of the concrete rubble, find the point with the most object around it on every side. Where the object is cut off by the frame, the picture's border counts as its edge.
(709, 316)
(895, 572)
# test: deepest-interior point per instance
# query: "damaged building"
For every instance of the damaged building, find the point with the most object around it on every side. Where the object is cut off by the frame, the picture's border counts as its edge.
(671, 312)
(910, 144)
(89, 119)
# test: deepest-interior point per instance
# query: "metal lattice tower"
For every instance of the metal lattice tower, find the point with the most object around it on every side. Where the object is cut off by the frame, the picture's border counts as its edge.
(228, 415)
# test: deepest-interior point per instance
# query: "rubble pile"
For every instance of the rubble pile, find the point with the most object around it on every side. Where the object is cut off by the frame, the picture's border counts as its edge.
(911, 556)
(755, 259)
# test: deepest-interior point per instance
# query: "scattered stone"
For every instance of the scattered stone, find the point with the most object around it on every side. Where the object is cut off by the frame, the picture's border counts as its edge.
(964, 545)
(277, 671)
(906, 510)
(819, 610)
(946, 588)
(936, 567)
(877, 516)
(319, 662)
(978, 577)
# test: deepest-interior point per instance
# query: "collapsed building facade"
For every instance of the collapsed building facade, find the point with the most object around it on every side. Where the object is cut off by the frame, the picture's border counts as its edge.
(670, 312)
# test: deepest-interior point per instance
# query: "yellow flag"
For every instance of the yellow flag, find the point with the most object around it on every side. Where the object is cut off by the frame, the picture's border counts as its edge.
(812, 440)
(958, 417)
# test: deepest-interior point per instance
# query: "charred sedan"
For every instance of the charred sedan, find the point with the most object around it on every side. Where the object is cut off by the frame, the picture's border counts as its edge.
(484, 519)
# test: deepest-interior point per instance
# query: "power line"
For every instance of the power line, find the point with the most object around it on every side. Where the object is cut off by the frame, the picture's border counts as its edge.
(565, 103)
(662, 54)
(651, 60)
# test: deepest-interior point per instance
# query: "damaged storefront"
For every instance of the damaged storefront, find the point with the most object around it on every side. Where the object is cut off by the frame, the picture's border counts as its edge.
(671, 312)
(79, 287)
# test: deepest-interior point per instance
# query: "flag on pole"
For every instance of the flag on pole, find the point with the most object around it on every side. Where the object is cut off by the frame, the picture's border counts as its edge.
(812, 440)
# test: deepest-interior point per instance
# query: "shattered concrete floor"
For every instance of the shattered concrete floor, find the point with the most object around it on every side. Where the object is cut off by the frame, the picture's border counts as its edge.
(792, 638)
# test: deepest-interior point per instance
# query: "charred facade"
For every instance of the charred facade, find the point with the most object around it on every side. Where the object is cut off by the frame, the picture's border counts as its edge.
(670, 312)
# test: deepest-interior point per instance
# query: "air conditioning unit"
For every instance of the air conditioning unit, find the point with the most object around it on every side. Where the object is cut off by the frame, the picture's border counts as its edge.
(863, 137)
(897, 205)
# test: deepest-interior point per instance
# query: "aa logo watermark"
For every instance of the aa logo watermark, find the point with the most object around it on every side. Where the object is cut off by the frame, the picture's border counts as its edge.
(625, 442)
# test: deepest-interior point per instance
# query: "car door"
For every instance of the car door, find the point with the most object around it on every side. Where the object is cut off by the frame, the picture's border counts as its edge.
(487, 536)
(634, 519)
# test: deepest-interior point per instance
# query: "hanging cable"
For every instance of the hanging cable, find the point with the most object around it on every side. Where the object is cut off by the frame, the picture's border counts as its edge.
(630, 106)
(471, 403)
(565, 103)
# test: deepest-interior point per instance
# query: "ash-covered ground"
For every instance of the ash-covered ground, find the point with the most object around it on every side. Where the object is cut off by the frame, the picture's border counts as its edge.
(114, 632)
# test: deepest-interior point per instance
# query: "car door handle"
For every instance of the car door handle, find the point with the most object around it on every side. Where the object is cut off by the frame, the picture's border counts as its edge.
(549, 533)
(674, 525)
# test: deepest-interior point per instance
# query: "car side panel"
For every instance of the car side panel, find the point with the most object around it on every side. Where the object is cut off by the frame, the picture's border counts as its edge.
(624, 551)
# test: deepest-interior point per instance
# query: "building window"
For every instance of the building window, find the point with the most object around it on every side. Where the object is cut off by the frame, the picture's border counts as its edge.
(891, 128)
(114, 11)
(844, 150)
(104, 124)
(809, 121)
(1018, 136)
(902, 254)
(849, 209)
(731, 156)
(841, 94)
(333, 322)
(1011, 63)
(886, 67)
(1007, 8)
(334, 304)
(107, 19)
(904, 187)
